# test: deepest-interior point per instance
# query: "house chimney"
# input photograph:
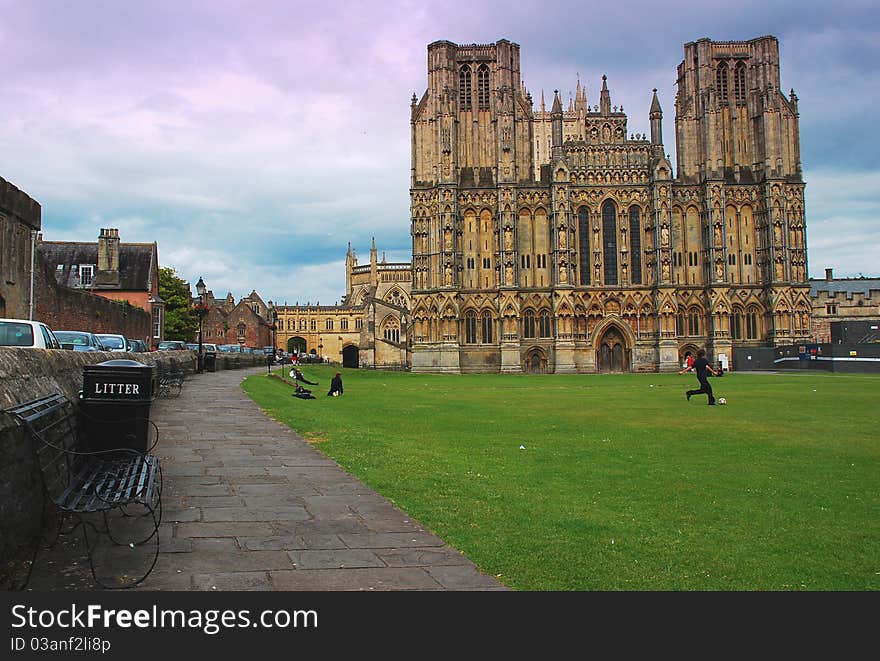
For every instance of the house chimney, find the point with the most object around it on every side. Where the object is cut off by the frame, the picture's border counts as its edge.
(108, 258)
(829, 274)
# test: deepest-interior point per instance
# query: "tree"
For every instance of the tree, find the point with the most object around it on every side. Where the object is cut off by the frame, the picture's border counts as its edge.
(181, 322)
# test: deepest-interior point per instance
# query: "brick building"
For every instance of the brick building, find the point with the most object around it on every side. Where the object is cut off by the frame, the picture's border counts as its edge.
(123, 272)
(244, 323)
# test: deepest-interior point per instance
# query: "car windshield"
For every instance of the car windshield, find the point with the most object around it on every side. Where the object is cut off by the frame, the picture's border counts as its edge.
(16, 334)
(69, 337)
(112, 342)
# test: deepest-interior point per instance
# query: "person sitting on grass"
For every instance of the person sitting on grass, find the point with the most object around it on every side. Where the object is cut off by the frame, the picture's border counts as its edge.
(335, 386)
(298, 375)
(302, 393)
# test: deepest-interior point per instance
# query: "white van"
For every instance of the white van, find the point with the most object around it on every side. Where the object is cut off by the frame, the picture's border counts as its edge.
(27, 333)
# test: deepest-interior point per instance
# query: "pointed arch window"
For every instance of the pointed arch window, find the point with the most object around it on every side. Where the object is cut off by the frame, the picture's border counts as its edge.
(736, 324)
(544, 326)
(752, 324)
(464, 88)
(721, 87)
(487, 327)
(470, 327)
(693, 320)
(529, 324)
(584, 244)
(392, 331)
(635, 244)
(739, 83)
(483, 87)
(609, 240)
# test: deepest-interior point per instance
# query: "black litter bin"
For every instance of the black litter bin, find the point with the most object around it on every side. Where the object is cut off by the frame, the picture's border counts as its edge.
(210, 361)
(115, 404)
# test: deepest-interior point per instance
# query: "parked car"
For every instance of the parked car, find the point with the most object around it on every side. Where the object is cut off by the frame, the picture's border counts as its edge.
(209, 348)
(114, 342)
(27, 333)
(79, 341)
(172, 345)
(138, 345)
(192, 346)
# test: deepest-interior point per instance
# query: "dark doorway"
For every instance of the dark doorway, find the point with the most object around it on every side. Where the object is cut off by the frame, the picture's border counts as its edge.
(350, 356)
(296, 344)
(535, 363)
(612, 355)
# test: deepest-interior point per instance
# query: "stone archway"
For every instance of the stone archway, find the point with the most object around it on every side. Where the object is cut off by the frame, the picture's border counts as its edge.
(350, 356)
(296, 344)
(535, 362)
(612, 353)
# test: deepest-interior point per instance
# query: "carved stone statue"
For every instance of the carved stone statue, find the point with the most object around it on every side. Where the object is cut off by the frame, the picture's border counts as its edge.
(508, 238)
(448, 277)
(664, 236)
(665, 267)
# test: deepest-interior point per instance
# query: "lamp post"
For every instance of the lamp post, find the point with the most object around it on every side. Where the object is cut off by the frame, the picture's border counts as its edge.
(201, 311)
(273, 317)
(320, 349)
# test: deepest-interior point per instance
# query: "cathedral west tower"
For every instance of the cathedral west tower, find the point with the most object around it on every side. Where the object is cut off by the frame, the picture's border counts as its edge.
(558, 241)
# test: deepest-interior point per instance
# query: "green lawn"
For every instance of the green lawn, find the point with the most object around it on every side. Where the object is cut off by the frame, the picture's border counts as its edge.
(616, 482)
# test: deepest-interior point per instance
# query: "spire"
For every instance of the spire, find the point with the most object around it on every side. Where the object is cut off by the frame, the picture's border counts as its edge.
(557, 103)
(605, 97)
(580, 97)
(556, 124)
(543, 105)
(656, 117)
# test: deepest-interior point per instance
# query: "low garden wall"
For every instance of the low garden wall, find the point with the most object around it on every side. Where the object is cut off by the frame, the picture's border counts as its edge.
(27, 374)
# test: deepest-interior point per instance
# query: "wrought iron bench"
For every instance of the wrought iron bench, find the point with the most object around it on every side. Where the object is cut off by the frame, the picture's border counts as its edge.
(170, 381)
(95, 491)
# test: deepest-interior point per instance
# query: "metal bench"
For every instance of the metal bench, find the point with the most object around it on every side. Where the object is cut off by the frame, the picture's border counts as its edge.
(95, 491)
(170, 380)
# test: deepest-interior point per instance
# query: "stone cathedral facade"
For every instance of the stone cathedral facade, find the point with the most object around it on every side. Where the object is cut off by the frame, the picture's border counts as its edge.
(557, 241)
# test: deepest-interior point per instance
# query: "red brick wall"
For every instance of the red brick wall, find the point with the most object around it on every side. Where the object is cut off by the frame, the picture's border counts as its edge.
(61, 308)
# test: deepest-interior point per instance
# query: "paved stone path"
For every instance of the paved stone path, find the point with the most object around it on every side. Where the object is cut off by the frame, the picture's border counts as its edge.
(249, 505)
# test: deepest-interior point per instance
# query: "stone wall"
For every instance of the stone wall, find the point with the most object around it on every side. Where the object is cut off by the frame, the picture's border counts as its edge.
(26, 374)
(19, 216)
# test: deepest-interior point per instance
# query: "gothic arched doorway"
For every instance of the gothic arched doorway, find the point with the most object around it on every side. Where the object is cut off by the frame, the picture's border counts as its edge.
(350, 356)
(535, 362)
(612, 354)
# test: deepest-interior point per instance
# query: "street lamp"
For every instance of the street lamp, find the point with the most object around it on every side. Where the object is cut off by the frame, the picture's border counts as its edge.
(201, 311)
(320, 349)
(273, 317)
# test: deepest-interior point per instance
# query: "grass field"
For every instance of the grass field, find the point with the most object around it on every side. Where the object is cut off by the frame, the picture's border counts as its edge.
(616, 482)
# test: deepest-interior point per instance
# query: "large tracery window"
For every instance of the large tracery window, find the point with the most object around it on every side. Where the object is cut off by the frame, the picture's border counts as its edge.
(470, 327)
(529, 324)
(739, 83)
(635, 245)
(483, 87)
(609, 240)
(721, 87)
(544, 324)
(487, 327)
(464, 88)
(392, 331)
(584, 244)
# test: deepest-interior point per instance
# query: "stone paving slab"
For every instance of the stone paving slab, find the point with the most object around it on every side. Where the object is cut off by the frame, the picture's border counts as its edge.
(249, 505)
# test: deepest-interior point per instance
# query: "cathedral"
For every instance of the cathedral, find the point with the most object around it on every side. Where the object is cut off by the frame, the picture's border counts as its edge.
(555, 241)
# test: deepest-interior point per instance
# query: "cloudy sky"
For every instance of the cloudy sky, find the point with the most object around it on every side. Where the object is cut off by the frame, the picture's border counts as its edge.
(254, 139)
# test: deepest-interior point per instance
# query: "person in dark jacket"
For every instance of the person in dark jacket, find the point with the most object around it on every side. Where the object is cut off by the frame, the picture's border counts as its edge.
(702, 367)
(335, 386)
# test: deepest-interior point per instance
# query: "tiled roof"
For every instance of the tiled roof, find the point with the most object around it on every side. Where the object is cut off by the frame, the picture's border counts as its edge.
(848, 286)
(135, 262)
